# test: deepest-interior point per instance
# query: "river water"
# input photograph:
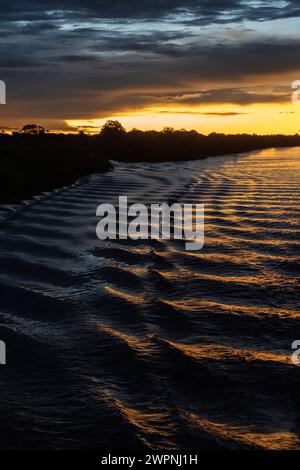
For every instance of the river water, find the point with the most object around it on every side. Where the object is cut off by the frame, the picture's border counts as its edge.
(142, 344)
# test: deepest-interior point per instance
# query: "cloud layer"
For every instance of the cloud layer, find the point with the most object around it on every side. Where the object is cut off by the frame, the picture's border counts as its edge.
(86, 59)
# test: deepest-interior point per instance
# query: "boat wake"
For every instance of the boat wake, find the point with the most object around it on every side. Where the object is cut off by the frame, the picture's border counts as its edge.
(142, 342)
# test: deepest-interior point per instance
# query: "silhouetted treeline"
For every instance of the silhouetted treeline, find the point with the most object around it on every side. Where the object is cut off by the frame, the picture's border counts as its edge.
(34, 163)
(32, 160)
(171, 145)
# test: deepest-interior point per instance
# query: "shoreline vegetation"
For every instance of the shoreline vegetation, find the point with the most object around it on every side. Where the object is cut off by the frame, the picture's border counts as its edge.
(33, 161)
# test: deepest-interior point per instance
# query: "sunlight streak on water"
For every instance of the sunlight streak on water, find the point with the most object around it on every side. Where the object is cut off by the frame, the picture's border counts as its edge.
(161, 347)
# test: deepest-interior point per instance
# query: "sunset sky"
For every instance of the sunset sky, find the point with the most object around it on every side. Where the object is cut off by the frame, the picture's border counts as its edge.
(209, 65)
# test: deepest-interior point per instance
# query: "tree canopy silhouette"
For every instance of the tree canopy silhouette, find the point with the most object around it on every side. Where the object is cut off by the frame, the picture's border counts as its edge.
(32, 129)
(112, 127)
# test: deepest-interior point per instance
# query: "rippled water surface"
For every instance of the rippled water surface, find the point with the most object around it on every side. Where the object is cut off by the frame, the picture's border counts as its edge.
(145, 345)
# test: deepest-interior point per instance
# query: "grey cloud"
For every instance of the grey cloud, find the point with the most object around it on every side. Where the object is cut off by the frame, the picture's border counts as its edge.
(211, 10)
(61, 60)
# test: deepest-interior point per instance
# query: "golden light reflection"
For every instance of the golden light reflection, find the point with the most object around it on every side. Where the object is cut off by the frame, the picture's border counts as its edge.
(219, 352)
(150, 422)
(203, 305)
(281, 440)
(140, 345)
(132, 298)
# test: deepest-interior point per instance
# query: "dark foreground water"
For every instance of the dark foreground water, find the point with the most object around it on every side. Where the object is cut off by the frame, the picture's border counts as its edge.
(145, 345)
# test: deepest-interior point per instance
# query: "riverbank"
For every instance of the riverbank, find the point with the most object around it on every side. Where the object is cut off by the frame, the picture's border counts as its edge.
(35, 163)
(31, 165)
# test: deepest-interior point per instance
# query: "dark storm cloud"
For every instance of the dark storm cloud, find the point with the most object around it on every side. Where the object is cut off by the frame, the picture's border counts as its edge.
(83, 59)
(212, 10)
(70, 86)
(239, 96)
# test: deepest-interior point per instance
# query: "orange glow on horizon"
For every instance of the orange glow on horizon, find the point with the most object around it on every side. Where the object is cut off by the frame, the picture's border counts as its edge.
(258, 119)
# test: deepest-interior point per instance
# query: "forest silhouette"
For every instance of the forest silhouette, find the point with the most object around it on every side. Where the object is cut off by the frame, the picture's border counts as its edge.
(33, 160)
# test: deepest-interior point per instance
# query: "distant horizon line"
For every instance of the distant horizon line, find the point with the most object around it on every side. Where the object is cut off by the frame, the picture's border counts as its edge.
(15, 130)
